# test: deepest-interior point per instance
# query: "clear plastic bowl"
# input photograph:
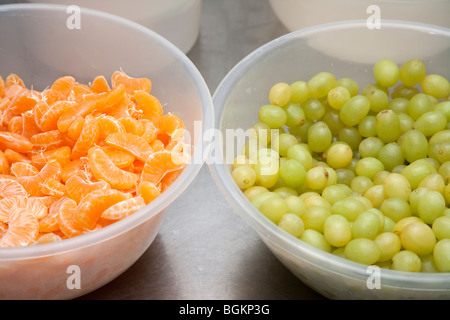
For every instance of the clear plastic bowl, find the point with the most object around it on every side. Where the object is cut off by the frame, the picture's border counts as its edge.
(298, 56)
(36, 44)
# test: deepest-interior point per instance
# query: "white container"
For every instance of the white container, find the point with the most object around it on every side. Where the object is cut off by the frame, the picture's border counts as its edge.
(298, 14)
(176, 20)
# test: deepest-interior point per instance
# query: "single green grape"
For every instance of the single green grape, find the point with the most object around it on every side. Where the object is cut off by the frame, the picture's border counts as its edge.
(388, 224)
(259, 198)
(349, 84)
(439, 151)
(396, 208)
(414, 145)
(412, 72)
(416, 171)
(272, 115)
(380, 176)
(336, 192)
(378, 99)
(444, 171)
(351, 136)
(285, 191)
(316, 239)
(366, 225)
(406, 260)
(345, 176)
(317, 178)
(299, 91)
(402, 91)
(369, 167)
(301, 154)
(441, 136)
(253, 191)
(406, 122)
(361, 184)
(339, 155)
(314, 199)
(363, 250)
(261, 132)
(293, 173)
(386, 73)
(391, 155)
(315, 217)
(280, 94)
(436, 86)
(295, 205)
(292, 224)
(366, 127)
(434, 182)
(295, 114)
(387, 126)
(282, 142)
(319, 137)
(274, 208)
(370, 147)
(267, 171)
(397, 185)
(244, 176)
(354, 110)
(338, 96)
(320, 84)
(399, 105)
(372, 86)
(389, 244)
(428, 264)
(431, 122)
(441, 255)
(349, 208)
(443, 107)
(337, 230)
(418, 237)
(441, 227)
(418, 105)
(313, 109)
(376, 195)
(431, 206)
(331, 118)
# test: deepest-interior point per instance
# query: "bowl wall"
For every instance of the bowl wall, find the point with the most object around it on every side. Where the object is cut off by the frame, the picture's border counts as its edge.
(298, 56)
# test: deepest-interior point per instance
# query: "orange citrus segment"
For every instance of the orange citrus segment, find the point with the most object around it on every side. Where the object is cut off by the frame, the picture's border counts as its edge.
(23, 229)
(131, 84)
(88, 137)
(10, 187)
(52, 169)
(123, 208)
(78, 186)
(131, 143)
(66, 218)
(159, 164)
(23, 169)
(148, 191)
(14, 141)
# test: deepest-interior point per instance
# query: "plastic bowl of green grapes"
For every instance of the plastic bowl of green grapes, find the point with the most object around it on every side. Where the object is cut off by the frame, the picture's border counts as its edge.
(333, 144)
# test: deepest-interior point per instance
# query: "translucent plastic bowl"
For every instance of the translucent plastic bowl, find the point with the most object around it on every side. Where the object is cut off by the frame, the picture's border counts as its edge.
(298, 56)
(36, 44)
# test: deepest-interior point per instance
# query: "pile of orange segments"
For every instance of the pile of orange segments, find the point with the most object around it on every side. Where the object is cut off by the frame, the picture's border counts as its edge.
(77, 157)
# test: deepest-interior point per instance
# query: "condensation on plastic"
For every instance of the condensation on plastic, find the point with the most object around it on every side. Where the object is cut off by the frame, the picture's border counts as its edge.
(36, 44)
(296, 56)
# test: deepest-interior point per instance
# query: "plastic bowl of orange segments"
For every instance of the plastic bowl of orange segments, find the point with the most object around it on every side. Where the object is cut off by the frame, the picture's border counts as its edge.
(41, 43)
(346, 49)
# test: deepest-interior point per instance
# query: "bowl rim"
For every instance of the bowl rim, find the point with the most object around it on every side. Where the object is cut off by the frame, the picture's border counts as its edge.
(266, 229)
(200, 149)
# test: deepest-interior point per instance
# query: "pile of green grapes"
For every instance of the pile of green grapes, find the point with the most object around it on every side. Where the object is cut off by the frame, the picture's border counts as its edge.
(362, 173)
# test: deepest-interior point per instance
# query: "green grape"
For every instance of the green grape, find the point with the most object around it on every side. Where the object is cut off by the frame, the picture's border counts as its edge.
(365, 202)
(378, 99)
(389, 244)
(293, 173)
(380, 176)
(299, 91)
(416, 171)
(268, 152)
(351, 136)
(436, 86)
(337, 230)
(317, 178)
(314, 199)
(434, 182)
(295, 114)
(274, 208)
(286, 191)
(336, 192)
(261, 132)
(391, 155)
(295, 205)
(443, 107)
(428, 264)
(361, 184)
(332, 176)
(349, 84)
(366, 127)
(313, 109)
(241, 160)
(369, 167)
(367, 225)
(363, 250)
(266, 170)
(319, 137)
(272, 115)
(414, 145)
(431, 206)
(399, 105)
(280, 94)
(252, 192)
(316, 239)
(370, 147)
(376, 195)
(388, 224)
(441, 227)
(282, 142)
(418, 105)
(315, 217)
(444, 171)
(339, 252)
(396, 208)
(339, 155)
(387, 126)
(349, 208)
(301, 154)
(244, 176)
(259, 198)
(292, 224)
(338, 96)
(345, 176)
(380, 216)
(440, 151)
(301, 131)
(414, 198)
(431, 122)
(406, 260)
(418, 237)
(331, 118)
(441, 136)
(406, 122)
(320, 84)
(402, 91)
(386, 73)
(374, 86)
(441, 255)
(399, 168)
(397, 185)
(354, 110)
(412, 72)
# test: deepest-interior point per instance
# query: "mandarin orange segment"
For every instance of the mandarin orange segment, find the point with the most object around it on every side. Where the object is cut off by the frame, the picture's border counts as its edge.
(78, 186)
(16, 125)
(159, 164)
(53, 187)
(15, 142)
(108, 125)
(41, 157)
(30, 128)
(48, 121)
(23, 229)
(121, 159)
(92, 206)
(13, 79)
(14, 156)
(103, 168)
(60, 89)
(131, 84)
(171, 124)
(35, 205)
(10, 187)
(149, 104)
(48, 140)
(99, 85)
(74, 167)
(131, 143)
(23, 169)
(88, 137)
(22, 102)
(148, 191)
(150, 131)
(74, 130)
(4, 164)
(48, 238)
(67, 218)
(52, 169)
(123, 208)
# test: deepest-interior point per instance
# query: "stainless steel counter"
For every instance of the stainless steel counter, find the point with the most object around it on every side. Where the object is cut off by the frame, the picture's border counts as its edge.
(204, 250)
